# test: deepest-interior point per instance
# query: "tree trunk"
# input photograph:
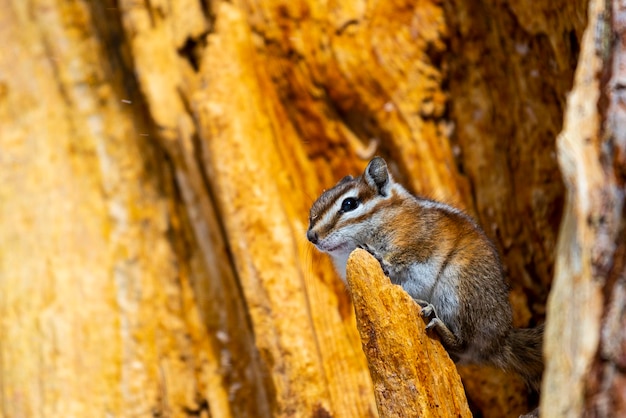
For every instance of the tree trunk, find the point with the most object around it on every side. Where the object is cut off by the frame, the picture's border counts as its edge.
(158, 160)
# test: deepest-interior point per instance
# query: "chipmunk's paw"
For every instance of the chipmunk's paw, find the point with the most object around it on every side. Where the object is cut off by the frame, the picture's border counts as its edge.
(378, 256)
(428, 310)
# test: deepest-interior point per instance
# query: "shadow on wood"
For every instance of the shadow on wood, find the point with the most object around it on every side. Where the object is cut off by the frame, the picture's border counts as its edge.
(412, 373)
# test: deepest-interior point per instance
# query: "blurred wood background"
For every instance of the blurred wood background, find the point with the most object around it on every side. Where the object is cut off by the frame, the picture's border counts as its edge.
(158, 160)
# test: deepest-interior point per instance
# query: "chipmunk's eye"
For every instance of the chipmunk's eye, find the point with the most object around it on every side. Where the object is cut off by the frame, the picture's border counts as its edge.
(349, 204)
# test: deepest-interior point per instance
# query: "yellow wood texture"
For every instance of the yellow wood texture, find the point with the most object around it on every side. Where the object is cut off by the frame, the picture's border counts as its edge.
(97, 316)
(576, 301)
(412, 373)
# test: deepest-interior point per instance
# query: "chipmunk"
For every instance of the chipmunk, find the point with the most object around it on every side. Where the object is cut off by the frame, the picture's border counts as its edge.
(440, 257)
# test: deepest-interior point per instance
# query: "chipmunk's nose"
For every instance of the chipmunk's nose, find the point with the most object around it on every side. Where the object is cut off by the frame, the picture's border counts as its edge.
(312, 236)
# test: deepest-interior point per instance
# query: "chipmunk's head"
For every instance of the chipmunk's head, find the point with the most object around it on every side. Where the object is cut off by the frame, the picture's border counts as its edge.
(342, 216)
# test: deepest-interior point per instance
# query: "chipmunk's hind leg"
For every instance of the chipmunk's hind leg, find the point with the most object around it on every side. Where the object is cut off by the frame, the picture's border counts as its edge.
(450, 341)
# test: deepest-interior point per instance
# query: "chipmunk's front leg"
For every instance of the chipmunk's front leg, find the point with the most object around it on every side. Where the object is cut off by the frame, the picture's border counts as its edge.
(378, 255)
(448, 339)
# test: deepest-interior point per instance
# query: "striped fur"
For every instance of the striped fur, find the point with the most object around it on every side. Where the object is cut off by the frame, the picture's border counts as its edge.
(437, 253)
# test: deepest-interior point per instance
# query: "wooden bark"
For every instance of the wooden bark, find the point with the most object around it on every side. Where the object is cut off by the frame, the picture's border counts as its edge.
(98, 313)
(412, 373)
(585, 329)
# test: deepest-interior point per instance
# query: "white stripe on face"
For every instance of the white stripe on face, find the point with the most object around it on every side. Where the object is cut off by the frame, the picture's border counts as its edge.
(330, 214)
(364, 207)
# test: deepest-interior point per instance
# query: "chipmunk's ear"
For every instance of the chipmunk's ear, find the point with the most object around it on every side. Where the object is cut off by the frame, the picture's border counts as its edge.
(377, 175)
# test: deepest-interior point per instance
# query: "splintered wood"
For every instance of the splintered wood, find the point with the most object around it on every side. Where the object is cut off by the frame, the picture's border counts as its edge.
(412, 373)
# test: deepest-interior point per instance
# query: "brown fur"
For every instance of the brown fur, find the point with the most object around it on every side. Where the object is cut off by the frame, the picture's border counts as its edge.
(463, 279)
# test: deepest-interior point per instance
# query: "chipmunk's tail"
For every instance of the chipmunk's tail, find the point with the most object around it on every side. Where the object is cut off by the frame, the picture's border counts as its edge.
(523, 354)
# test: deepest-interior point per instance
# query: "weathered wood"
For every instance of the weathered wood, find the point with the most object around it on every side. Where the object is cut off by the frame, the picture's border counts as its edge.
(585, 333)
(314, 367)
(412, 373)
(97, 315)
